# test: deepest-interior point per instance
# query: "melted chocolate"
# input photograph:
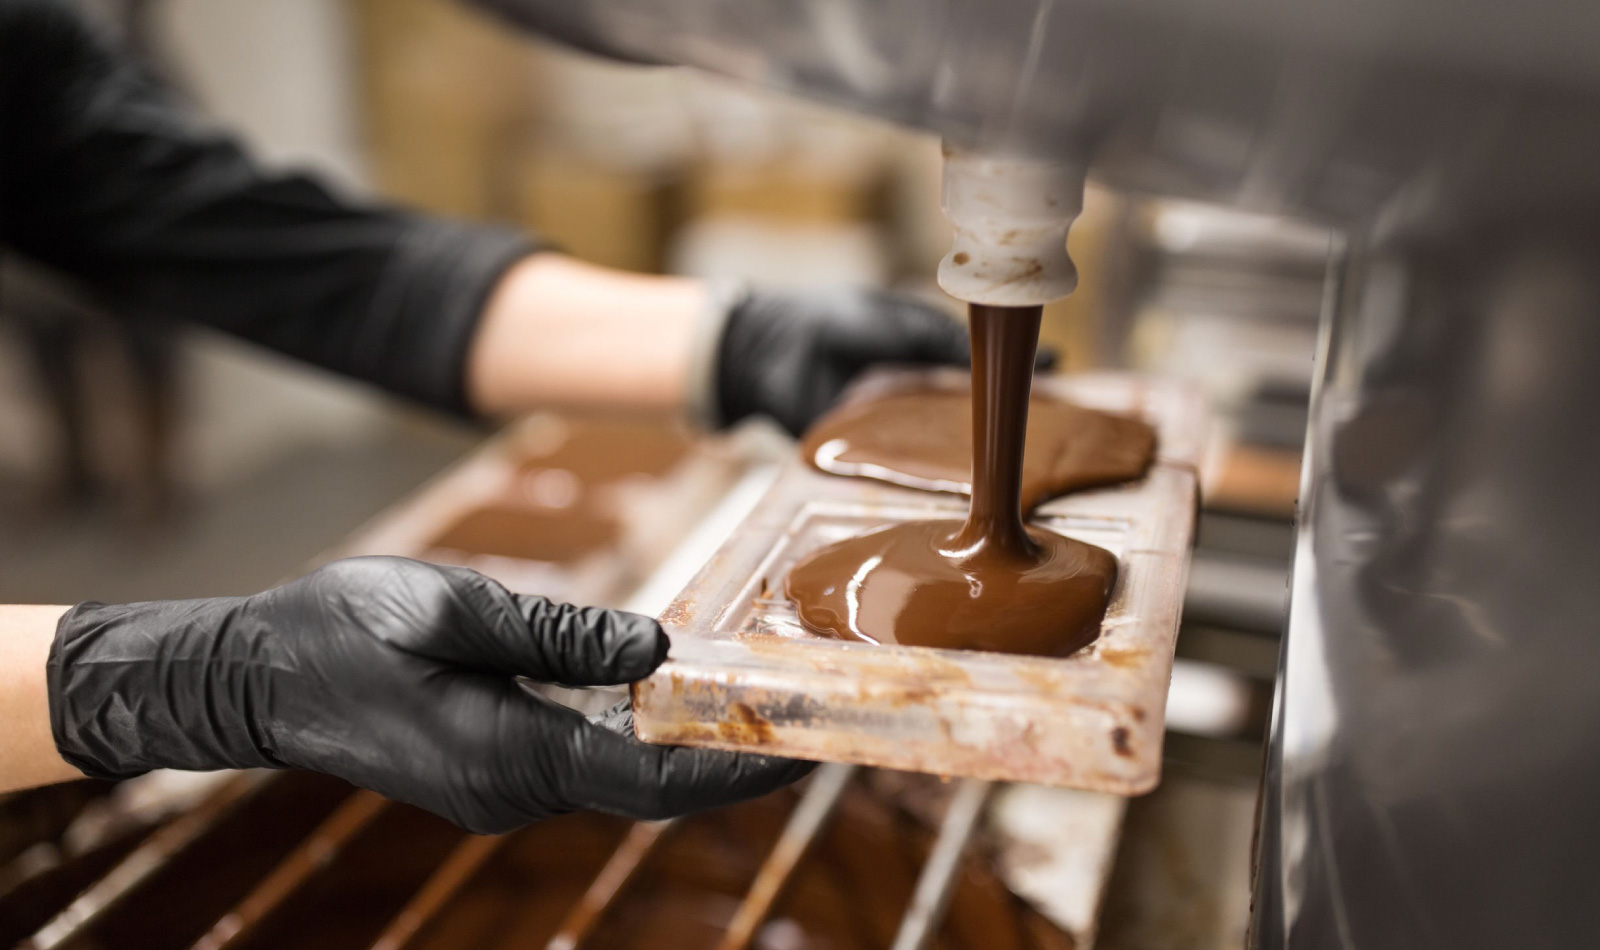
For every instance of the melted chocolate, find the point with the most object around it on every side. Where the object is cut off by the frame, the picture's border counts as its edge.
(988, 583)
(913, 584)
(920, 437)
(602, 450)
(556, 509)
(557, 535)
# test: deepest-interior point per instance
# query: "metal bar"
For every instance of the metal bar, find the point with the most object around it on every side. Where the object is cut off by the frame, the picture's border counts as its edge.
(807, 819)
(305, 862)
(640, 842)
(436, 892)
(144, 861)
(104, 823)
(932, 896)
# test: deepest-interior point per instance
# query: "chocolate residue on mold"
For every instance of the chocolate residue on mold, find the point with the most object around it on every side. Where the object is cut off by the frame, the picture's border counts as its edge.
(989, 583)
(600, 450)
(745, 726)
(1123, 658)
(559, 536)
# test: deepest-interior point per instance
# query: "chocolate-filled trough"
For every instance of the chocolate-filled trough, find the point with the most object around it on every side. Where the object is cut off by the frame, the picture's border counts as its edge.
(744, 674)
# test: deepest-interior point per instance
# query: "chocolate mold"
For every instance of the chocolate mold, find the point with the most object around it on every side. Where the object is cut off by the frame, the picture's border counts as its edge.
(744, 675)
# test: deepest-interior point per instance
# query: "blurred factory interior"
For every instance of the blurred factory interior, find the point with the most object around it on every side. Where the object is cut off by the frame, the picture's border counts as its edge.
(179, 463)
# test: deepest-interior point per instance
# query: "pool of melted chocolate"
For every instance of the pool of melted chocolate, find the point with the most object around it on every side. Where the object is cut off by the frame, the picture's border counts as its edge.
(921, 437)
(915, 584)
(989, 583)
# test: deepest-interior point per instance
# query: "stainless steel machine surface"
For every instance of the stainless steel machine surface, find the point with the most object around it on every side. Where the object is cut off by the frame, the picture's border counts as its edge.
(1342, 111)
(1432, 764)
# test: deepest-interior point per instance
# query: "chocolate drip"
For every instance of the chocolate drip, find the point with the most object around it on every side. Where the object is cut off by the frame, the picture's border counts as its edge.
(989, 583)
(1004, 342)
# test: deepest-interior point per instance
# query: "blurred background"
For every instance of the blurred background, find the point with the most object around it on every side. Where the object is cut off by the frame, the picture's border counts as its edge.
(179, 463)
(188, 464)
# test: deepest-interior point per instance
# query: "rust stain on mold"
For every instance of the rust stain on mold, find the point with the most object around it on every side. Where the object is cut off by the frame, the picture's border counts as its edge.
(1123, 659)
(745, 726)
(921, 694)
(1033, 267)
(1119, 741)
(867, 664)
(688, 733)
(678, 613)
(1041, 680)
(961, 258)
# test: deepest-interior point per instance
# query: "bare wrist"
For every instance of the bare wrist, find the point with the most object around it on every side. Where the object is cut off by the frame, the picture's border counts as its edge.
(562, 333)
(28, 755)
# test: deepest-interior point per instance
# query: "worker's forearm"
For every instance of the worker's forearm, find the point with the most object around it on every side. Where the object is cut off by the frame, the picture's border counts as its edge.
(28, 754)
(559, 332)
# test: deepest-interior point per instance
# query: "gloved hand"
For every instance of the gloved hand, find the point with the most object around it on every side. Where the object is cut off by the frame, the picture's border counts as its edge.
(789, 355)
(393, 674)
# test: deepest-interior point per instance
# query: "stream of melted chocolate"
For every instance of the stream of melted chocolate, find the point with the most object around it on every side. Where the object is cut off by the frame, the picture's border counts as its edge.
(989, 583)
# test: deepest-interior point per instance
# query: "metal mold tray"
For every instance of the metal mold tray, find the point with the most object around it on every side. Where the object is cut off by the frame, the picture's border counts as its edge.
(744, 675)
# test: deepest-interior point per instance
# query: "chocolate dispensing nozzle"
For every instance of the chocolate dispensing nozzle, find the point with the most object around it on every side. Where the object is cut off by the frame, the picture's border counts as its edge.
(1011, 217)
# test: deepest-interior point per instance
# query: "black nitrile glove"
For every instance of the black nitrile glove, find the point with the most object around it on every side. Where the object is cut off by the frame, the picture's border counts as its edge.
(393, 674)
(789, 355)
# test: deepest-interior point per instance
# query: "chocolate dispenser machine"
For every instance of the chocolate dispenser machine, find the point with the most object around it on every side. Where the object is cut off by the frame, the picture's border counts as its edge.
(1431, 769)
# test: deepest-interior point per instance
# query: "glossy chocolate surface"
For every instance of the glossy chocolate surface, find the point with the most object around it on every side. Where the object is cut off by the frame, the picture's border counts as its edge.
(989, 583)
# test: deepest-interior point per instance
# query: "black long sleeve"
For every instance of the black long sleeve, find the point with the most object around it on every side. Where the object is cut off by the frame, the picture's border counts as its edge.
(105, 177)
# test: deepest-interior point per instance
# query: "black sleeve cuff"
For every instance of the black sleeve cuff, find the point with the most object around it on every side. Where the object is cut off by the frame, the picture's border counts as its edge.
(427, 309)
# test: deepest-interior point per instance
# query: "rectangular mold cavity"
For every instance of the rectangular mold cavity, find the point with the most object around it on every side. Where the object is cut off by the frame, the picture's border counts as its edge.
(744, 675)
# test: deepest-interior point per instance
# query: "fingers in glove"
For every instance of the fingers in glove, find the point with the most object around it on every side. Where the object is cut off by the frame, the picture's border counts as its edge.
(931, 336)
(618, 719)
(591, 646)
(886, 327)
(461, 617)
(617, 773)
(507, 757)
